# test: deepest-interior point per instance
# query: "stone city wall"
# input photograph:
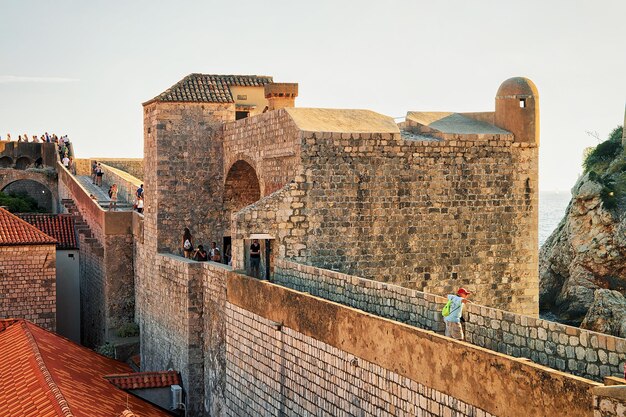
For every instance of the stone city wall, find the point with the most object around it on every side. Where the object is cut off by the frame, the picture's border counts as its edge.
(249, 347)
(427, 215)
(578, 351)
(127, 185)
(171, 304)
(28, 284)
(92, 288)
(292, 352)
(132, 166)
(183, 172)
(106, 252)
(27, 153)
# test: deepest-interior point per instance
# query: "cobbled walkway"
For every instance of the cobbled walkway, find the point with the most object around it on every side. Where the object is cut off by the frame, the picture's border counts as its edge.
(102, 195)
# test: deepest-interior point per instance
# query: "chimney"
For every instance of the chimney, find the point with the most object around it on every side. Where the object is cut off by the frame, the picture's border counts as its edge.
(280, 95)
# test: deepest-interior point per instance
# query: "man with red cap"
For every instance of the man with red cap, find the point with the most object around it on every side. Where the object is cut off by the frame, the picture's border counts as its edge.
(453, 320)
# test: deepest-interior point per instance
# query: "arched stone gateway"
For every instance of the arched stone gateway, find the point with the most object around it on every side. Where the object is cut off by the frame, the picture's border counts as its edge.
(40, 185)
(38, 191)
(241, 188)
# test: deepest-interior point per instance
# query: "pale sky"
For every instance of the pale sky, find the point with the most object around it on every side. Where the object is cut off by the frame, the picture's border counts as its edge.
(83, 68)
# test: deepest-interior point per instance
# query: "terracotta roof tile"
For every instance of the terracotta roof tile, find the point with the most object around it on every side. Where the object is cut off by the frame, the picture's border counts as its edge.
(141, 380)
(209, 88)
(15, 231)
(59, 226)
(45, 375)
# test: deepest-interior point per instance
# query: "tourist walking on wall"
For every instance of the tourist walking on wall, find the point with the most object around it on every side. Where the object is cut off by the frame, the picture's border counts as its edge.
(452, 313)
(255, 258)
(99, 174)
(113, 195)
(187, 243)
(93, 171)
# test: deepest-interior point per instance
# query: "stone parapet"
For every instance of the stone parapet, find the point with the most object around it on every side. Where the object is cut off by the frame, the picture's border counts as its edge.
(609, 401)
(565, 348)
(127, 184)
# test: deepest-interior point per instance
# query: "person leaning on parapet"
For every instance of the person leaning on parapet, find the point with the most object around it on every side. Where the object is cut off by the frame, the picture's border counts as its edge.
(187, 243)
(452, 313)
(214, 251)
(139, 192)
(201, 255)
(255, 258)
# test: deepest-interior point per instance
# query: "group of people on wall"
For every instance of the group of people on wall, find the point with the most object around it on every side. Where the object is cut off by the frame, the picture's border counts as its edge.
(202, 255)
(45, 138)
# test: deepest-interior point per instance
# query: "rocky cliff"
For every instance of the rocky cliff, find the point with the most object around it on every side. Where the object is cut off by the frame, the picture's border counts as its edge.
(582, 265)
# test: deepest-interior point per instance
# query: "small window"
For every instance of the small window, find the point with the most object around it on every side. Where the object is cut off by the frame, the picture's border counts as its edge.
(455, 275)
(522, 103)
(241, 115)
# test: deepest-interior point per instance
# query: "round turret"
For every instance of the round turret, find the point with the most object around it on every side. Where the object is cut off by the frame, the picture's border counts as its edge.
(517, 109)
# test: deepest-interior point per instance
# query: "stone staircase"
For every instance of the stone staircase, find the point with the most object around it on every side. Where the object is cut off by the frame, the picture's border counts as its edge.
(81, 226)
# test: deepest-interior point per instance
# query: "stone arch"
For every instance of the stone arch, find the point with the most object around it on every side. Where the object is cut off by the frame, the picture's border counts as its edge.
(241, 187)
(6, 162)
(40, 192)
(22, 162)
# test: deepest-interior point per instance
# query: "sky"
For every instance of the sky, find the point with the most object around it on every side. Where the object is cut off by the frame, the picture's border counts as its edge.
(83, 68)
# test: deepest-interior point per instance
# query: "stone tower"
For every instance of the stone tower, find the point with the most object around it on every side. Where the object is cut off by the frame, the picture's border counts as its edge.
(517, 109)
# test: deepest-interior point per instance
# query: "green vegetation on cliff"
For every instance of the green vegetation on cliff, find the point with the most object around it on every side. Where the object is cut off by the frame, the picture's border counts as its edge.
(606, 165)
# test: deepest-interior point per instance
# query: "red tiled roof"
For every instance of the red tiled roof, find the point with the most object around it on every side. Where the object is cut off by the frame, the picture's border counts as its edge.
(45, 375)
(15, 231)
(209, 88)
(141, 380)
(59, 226)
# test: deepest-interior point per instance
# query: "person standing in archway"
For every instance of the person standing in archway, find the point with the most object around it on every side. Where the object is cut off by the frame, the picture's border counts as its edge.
(255, 258)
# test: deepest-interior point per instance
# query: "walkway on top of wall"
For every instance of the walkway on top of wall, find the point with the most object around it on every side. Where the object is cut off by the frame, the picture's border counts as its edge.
(102, 194)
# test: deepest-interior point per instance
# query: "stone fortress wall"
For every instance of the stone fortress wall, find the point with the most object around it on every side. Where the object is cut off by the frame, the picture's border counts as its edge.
(571, 349)
(244, 346)
(475, 198)
(106, 262)
(427, 215)
(248, 347)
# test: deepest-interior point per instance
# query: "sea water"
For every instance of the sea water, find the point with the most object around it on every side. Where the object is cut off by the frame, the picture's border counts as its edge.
(552, 207)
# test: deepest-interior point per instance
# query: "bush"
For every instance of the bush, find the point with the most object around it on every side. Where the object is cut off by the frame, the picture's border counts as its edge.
(107, 350)
(604, 153)
(128, 330)
(608, 194)
(19, 203)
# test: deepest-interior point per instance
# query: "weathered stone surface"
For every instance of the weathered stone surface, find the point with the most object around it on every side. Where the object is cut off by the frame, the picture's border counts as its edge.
(28, 283)
(586, 253)
(607, 313)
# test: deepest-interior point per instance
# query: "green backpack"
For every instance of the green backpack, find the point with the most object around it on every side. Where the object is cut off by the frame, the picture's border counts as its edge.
(446, 309)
